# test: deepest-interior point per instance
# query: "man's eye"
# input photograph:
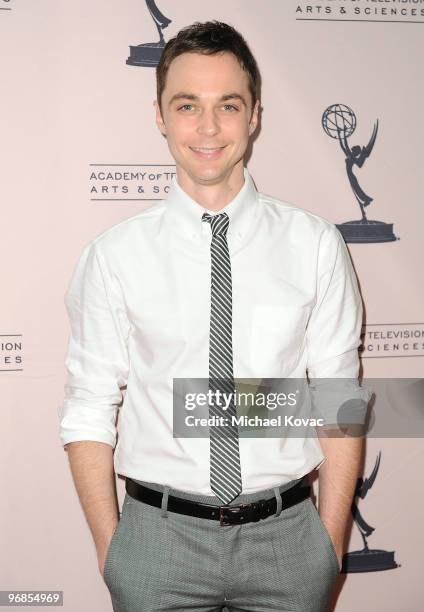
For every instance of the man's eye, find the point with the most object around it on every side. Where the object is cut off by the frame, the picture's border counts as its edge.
(230, 107)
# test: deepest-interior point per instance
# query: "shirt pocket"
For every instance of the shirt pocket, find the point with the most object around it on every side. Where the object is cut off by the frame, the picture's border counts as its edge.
(276, 339)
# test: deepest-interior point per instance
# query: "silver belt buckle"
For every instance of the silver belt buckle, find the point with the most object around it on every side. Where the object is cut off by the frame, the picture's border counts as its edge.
(221, 517)
(222, 520)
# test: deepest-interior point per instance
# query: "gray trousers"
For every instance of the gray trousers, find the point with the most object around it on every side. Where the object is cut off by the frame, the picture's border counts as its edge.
(161, 560)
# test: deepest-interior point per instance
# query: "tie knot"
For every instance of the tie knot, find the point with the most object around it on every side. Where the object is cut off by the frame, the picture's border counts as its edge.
(219, 223)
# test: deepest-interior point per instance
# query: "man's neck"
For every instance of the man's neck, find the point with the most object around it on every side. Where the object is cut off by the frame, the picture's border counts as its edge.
(214, 196)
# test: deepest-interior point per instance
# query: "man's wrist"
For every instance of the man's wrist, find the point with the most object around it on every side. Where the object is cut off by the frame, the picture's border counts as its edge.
(103, 539)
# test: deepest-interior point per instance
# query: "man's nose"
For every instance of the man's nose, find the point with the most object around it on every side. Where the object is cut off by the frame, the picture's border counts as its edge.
(208, 123)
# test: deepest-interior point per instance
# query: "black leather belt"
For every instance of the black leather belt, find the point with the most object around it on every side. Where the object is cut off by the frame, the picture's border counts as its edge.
(226, 515)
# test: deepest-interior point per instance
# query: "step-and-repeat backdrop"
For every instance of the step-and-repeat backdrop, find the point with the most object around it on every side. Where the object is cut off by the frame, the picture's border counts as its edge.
(340, 135)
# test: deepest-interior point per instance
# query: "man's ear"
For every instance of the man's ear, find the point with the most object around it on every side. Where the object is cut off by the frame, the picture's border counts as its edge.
(159, 119)
(254, 118)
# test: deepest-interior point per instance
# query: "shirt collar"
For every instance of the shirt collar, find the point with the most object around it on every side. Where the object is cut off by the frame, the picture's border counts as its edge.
(185, 214)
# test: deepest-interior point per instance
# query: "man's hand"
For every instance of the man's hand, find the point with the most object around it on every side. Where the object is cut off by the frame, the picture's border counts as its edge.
(339, 553)
(102, 549)
(337, 541)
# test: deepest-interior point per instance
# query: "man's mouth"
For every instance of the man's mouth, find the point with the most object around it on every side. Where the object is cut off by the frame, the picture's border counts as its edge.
(207, 152)
(206, 149)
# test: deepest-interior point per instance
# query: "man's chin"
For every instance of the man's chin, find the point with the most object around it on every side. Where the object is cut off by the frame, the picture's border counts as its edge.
(207, 175)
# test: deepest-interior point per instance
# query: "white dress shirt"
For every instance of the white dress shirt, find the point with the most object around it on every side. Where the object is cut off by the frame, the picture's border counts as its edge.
(139, 309)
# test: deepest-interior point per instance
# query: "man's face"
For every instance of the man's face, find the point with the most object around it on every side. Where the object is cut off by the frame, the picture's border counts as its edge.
(207, 115)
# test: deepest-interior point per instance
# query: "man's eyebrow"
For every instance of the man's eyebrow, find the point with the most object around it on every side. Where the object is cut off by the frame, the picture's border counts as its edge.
(182, 95)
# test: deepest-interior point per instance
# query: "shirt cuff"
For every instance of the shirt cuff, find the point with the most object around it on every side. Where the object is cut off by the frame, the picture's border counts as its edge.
(339, 401)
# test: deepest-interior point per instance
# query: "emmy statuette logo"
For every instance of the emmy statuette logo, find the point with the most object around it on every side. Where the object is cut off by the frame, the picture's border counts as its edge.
(148, 54)
(367, 559)
(339, 121)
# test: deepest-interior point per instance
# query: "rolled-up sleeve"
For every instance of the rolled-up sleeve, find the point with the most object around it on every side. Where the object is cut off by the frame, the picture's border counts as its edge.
(97, 360)
(333, 336)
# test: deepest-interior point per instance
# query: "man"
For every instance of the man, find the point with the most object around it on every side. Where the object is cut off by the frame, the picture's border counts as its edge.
(215, 282)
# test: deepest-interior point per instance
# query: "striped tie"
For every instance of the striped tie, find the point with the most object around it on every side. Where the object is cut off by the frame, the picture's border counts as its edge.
(225, 473)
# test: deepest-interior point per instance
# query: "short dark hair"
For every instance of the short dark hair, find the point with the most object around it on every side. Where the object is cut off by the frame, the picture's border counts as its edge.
(209, 38)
